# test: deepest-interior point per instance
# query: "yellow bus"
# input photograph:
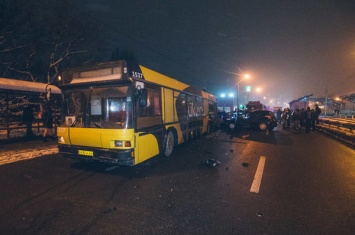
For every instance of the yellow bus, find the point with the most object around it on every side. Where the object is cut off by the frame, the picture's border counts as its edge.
(124, 114)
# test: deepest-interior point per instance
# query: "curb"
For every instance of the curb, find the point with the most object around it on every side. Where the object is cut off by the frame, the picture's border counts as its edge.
(348, 138)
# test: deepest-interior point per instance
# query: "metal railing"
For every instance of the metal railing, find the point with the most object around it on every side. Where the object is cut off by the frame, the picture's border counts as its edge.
(343, 124)
(7, 127)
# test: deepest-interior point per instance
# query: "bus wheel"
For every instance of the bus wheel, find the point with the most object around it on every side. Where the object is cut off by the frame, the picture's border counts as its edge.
(169, 144)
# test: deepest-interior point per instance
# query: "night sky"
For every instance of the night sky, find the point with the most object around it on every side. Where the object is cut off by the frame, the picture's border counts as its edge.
(289, 48)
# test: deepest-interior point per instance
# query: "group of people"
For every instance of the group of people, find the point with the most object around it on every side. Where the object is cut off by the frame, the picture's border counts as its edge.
(300, 117)
(45, 115)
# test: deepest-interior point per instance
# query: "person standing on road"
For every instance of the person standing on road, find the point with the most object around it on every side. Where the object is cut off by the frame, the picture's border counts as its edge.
(317, 112)
(278, 115)
(27, 119)
(313, 119)
(303, 118)
(297, 119)
(308, 115)
(284, 118)
(288, 117)
(47, 117)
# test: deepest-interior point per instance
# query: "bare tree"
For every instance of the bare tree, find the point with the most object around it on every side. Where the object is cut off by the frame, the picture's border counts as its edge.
(45, 36)
(12, 40)
(64, 44)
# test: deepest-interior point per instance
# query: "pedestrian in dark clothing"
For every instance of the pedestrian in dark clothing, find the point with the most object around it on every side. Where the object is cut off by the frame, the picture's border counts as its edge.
(289, 118)
(296, 119)
(308, 115)
(303, 118)
(27, 118)
(47, 118)
(284, 117)
(317, 112)
(313, 119)
(278, 115)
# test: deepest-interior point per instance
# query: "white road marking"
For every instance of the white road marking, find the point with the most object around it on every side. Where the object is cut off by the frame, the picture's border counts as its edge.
(258, 175)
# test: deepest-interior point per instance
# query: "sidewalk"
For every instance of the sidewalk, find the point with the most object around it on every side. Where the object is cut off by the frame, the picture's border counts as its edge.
(25, 149)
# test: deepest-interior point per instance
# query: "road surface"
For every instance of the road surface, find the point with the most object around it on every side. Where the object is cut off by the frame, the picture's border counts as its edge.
(286, 182)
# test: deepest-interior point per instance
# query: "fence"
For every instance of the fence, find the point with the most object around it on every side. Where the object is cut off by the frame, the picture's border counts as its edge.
(7, 128)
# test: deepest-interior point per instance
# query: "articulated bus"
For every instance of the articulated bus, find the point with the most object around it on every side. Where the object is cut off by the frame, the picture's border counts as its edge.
(124, 114)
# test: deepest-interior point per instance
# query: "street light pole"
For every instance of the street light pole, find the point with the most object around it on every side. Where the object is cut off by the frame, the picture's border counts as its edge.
(238, 96)
(246, 76)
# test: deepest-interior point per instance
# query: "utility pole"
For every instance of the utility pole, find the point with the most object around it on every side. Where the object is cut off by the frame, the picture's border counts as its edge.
(326, 101)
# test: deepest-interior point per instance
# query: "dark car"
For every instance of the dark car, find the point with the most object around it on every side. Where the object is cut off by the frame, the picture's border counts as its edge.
(261, 119)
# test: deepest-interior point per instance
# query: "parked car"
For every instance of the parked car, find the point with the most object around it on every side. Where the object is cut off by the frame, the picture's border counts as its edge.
(261, 119)
(225, 117)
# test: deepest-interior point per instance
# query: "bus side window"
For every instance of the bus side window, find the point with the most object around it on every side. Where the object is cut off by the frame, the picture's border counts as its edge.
(181, 107)
(153, 106)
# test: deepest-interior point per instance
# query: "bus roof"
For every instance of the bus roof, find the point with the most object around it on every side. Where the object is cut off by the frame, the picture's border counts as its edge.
(109, 71)
(7, 84)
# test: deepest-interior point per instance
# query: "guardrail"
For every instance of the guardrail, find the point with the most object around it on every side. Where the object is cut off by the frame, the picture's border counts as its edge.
(341, 129)
(340, 124)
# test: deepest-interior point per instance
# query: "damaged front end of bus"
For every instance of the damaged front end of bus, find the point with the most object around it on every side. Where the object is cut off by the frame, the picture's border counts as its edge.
(97, 122)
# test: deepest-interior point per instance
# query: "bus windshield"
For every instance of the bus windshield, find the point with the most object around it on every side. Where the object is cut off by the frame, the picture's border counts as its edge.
(108, 107)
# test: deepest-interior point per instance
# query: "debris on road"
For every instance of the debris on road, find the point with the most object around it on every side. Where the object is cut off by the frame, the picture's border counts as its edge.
(259, 213)
(210, 162)
(245, 164)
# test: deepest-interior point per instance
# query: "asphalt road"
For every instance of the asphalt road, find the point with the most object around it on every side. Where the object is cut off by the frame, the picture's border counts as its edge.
(307, 186)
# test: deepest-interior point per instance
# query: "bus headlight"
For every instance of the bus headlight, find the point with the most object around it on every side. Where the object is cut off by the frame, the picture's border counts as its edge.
(118, 143)
(121, 143)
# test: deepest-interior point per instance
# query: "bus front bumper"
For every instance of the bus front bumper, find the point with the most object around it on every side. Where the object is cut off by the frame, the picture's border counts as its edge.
(111, 156)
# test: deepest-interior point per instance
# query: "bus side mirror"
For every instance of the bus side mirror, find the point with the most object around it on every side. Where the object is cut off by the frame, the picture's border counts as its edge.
(142, 96)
